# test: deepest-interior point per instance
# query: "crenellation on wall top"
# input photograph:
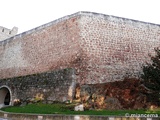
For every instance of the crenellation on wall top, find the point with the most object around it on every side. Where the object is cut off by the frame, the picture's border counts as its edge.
(6, 33)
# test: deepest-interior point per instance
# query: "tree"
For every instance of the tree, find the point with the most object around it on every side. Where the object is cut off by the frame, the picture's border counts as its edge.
(151, 77)
(151, 72)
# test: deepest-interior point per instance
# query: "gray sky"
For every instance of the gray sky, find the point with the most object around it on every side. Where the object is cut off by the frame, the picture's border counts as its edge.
(28, 14)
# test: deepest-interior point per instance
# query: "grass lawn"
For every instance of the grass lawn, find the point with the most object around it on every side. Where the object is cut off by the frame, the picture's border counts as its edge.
(58, 108)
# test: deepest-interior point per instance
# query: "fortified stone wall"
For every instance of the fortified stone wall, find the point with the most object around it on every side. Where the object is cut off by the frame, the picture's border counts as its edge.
(7, 33)
(48, 47)
(50, 86)
(116, 47)
(101, 48)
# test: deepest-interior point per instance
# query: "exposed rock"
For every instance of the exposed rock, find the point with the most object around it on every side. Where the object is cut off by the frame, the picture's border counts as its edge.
(17, 102)
(24, 104)
(85, 93)
(112, 103)
(79, 107)
(77, 91)
(126, 94)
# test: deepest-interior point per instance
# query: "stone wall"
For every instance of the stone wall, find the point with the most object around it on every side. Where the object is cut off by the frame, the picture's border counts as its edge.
(48, 47)
(101, 48)
(116, 47)
(49, 86)
(7, 33)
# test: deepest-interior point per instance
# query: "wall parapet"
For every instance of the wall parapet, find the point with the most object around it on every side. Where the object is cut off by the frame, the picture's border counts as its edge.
(7, 33)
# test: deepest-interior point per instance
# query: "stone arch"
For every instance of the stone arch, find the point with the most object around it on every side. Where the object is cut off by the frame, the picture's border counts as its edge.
(5, 96)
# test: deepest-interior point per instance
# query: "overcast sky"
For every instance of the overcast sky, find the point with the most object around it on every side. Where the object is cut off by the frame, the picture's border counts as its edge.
(28, 14)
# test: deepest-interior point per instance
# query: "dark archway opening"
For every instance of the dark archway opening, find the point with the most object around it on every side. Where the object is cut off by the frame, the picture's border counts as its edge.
(5, 96)
(7, 99)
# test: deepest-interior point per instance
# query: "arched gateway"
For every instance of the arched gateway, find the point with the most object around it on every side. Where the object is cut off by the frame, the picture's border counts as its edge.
(5, 96)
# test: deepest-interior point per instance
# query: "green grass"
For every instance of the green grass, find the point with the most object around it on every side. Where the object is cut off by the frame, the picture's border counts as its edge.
(68, 109)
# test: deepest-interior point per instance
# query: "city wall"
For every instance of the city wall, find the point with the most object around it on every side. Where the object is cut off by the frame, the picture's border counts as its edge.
(116, 47)
(101, 48)
(48, 87)
(46, 48)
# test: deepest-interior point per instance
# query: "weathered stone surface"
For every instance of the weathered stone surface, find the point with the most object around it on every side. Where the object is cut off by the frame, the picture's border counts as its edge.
(50, 86)
(7, 33)
(126, 94)
(79, 107)
(101, 48)
(85, 93)
(113, 103)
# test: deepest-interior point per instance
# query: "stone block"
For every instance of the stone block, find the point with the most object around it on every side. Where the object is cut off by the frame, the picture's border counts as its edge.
(79, 107)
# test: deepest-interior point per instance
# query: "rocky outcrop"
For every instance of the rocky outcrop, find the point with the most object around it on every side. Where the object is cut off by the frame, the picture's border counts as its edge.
(126, 94)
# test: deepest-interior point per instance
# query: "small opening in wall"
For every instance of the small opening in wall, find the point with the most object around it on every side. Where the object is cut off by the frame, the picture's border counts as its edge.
(5, 96)
(7, 99)
(3, 30)
(9, 32)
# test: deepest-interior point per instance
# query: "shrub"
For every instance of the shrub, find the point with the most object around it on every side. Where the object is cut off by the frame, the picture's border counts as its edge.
(151, 74)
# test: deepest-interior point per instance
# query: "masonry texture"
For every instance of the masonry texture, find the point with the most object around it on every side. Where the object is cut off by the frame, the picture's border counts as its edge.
(99, 47)
(49, 86)
(7, 33)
